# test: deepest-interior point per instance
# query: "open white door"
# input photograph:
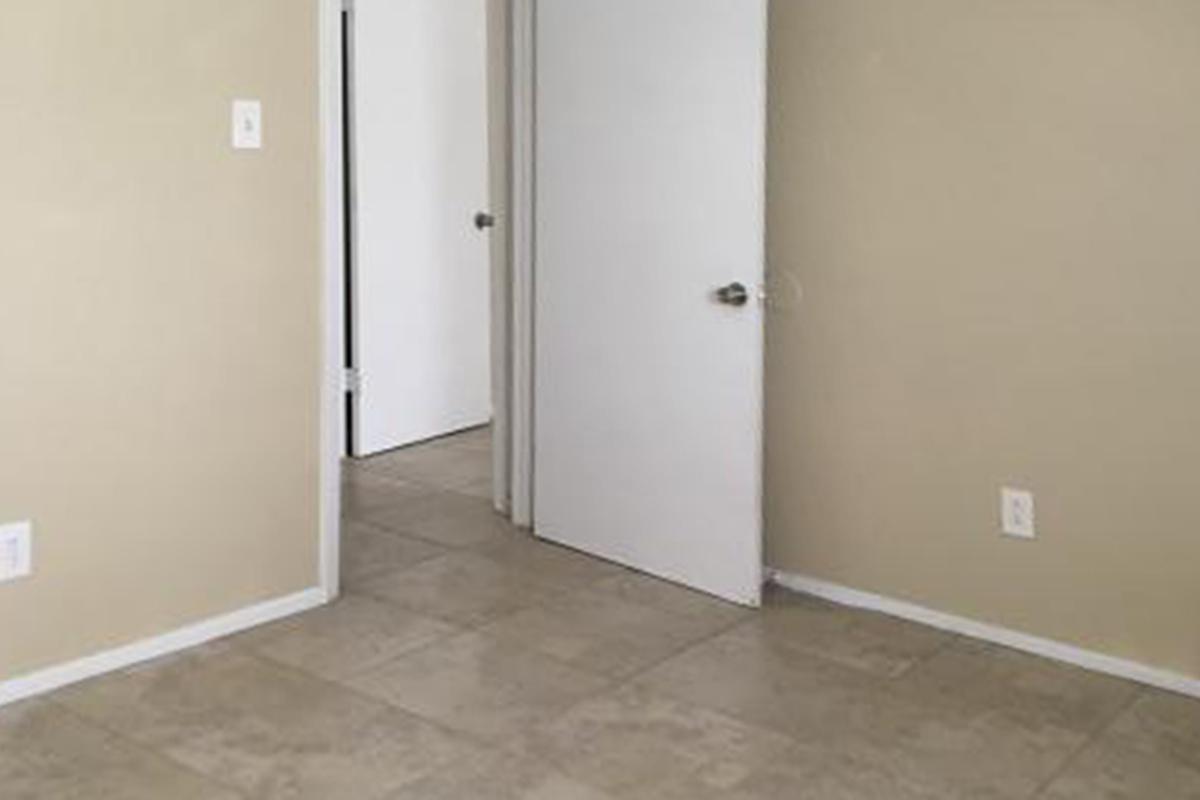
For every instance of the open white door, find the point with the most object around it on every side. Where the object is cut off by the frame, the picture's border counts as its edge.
(650, 137)
(421, 292)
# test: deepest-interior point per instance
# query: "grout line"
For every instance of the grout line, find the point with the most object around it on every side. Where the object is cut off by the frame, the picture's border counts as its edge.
(425, 488)
(683, 650)
(884, 680)
(410, 534)
(365, 519)
(393, 533)
(1091, 738)
(458, 625)
(614, 684)
(442, 549)
(609, 683)
(139, 745)
(371, 698)
(951, 641)
(397, 477)
(464, 626)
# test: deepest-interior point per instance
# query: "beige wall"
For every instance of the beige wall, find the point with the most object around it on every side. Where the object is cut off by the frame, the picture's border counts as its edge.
(159, 354)
(992, 211)
(990, 208)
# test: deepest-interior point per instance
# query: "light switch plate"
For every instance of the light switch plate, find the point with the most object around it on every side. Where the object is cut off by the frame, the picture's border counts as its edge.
(247, 125)
(16, 551)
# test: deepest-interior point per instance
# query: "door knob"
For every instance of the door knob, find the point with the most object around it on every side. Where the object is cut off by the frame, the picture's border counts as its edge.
(484, 220)
(735, 294)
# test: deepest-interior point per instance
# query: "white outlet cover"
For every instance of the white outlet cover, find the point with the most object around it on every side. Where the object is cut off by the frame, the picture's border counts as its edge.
(247, 125)
(1017, 513)
(16, 551)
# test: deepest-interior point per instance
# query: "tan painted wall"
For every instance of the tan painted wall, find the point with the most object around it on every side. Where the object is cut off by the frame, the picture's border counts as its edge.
(159, 356)
(992, 209)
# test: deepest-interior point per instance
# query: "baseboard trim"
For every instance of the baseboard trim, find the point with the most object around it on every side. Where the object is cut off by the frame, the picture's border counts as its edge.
(56, 677)
(1049, 648)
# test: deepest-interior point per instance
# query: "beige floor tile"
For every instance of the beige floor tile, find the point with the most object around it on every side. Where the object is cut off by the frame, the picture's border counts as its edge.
(858, 639)
(446, 518)
(738, 674)
(479, 439)
(600, 632)
(1108, 771)
(482, 487)
(892, 745)
(368, 551)
(909, 745)
(500, 777)
(444, 464)
(804, 774)
(353, 635)
(475, 684)
(48, 753)
(936, 745)
(638, 744)
(365, 493)
(1033, 692)
(462, 587)
(1161, 724)
(650, 592)
(949, 749)
(981, 720)
(269, 730)
(551, 563)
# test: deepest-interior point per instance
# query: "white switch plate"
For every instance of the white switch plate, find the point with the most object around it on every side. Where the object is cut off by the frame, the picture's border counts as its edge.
(247, 125)
(16, 551)
(1017, 513)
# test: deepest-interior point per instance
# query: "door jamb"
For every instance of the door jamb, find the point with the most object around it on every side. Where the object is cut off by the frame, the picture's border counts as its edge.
(516, 364)
(522, 203)
(332, 394)
(499, 50)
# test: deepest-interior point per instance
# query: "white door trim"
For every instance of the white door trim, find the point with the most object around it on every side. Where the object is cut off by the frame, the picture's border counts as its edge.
(333, 396)
(522, 208)
(499, 195)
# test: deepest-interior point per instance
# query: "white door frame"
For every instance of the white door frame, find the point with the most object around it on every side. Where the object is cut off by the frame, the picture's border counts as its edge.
(499, 195)
(512, 311)
(333, 396)
(521, 203)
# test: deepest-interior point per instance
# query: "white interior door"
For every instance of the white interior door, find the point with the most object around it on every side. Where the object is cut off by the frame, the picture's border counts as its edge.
(649, 196)
(421, 268)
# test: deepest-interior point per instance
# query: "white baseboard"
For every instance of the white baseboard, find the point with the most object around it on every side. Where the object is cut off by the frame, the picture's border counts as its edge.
(56, 677)
(1058, 651)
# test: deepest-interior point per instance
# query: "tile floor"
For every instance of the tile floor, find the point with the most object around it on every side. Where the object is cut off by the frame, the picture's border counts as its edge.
(468, 661)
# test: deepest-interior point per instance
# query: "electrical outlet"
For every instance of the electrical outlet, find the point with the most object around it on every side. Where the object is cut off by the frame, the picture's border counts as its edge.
(1016, 513)
(16, 551)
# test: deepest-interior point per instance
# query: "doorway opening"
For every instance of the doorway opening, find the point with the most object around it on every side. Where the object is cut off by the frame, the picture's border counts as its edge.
(417, 127)
(648, 379)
